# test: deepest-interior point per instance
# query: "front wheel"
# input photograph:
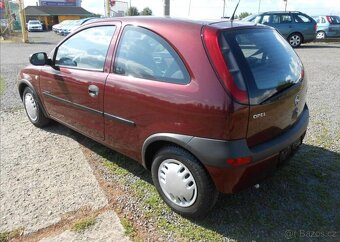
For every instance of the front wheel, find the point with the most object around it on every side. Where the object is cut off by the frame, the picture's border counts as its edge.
(182, 182)
(33, 108)
(295, 40)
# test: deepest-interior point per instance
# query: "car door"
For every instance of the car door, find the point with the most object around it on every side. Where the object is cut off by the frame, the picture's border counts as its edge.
(73, 86)
(146, 71)
(283, 23)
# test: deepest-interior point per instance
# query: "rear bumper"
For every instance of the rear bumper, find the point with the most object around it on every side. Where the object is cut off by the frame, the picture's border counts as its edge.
(265, 157)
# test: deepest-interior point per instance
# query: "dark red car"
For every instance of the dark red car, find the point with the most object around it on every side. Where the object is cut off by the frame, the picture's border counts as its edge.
(208, 107)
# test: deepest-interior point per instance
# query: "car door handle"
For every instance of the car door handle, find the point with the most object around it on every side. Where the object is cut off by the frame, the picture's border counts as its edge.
(93, 90)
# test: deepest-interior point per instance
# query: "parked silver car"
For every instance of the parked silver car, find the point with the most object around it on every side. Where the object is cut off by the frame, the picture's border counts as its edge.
(327, 26)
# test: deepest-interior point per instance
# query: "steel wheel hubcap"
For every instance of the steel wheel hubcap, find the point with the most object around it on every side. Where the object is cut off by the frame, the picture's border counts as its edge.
(177, 183)
(31, 107)
(320, 35)
(295, 40)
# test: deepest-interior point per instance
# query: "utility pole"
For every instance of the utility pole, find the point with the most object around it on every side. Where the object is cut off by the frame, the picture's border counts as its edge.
(166, 7)
(23, 21)
(223, 8)
(285, 5)
(258, 11)
(189, 8)
(107, 8)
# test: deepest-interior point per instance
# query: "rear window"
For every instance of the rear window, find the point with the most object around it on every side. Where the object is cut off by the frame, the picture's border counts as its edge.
(333, 19)
(300, 18)
(267, 62)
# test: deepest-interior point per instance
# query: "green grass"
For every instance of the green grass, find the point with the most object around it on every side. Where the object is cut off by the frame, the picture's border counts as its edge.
(128, 227)
(2, 86)
(7, 236)
(83, 224)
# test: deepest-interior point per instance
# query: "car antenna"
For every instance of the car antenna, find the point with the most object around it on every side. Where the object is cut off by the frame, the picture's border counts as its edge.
(233, 16)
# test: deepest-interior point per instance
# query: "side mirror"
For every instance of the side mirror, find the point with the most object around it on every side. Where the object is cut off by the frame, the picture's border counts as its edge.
(39, 59)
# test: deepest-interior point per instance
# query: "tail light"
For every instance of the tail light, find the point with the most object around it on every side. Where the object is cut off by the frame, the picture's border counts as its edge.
(231, 78)
(315, 27)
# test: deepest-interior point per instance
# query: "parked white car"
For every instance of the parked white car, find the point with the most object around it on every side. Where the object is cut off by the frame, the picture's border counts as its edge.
(56, 28)
(34, 25)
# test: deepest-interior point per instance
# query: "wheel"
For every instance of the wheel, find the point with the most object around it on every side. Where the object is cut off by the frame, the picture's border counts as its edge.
(321, 35)
(295, 40)
(182, 182)
(33, 108)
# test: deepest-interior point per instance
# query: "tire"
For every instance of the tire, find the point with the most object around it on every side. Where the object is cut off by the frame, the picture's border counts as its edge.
(295, 40)
(33, 108)
(321, 35)
(174, 170)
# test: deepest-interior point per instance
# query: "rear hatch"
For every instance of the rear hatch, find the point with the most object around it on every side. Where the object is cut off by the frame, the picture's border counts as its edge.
(274, 79)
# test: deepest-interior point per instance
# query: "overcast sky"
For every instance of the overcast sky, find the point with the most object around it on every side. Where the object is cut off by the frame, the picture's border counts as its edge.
(214, 8)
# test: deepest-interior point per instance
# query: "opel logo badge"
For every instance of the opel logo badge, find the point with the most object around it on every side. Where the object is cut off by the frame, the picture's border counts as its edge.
(297, 100)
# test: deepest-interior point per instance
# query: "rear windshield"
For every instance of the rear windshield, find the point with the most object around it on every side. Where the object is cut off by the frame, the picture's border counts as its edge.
(266, 60)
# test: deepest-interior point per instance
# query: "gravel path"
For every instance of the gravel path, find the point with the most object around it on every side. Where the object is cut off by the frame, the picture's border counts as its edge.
(104, 223)
(44, 175)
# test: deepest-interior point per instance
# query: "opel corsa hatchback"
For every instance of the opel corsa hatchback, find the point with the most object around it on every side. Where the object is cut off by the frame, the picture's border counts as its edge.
(207, 107)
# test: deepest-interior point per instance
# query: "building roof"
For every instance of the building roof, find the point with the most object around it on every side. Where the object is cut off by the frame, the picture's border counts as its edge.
(56, 11)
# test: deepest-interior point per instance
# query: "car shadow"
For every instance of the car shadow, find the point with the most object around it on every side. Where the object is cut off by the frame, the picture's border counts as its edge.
(297, 202)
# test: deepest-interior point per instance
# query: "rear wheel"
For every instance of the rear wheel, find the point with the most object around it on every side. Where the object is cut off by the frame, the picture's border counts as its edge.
(295, 40)
(321, 35)
(182, 182)
(33, 108)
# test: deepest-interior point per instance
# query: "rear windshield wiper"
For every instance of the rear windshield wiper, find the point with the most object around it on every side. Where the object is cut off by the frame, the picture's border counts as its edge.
(280, 91)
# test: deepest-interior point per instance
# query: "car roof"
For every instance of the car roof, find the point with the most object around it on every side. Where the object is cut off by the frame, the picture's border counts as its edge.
(281, 12)
(149, 21)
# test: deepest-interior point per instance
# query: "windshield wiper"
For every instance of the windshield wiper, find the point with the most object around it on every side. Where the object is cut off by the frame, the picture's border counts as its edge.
(280, 91)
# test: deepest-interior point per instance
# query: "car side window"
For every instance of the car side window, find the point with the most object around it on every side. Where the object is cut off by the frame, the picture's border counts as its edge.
(323, 20)
(276, 19)
(265, 19)
(285, 18)
(86, 49)
(299, 18)
(257, 19)
(143, 54)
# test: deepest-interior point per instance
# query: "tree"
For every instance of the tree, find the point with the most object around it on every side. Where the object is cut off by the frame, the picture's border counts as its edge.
(132, 11)
(244, 14)
(146, 11)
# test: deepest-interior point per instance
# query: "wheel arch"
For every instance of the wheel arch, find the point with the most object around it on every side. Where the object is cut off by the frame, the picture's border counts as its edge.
(157, 141)
(22, 84)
